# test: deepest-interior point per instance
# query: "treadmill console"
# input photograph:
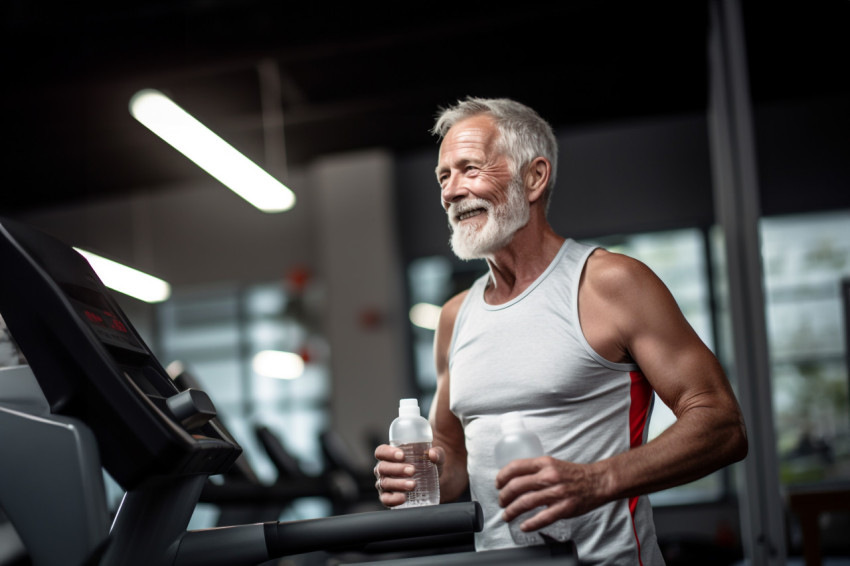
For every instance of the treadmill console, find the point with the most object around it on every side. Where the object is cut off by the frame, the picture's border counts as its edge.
(92, 364)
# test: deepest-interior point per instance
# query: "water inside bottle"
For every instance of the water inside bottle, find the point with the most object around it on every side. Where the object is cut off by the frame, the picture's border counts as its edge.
(427, 490)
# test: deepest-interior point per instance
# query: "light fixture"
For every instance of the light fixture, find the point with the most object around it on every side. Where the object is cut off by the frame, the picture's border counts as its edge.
(274, 363)
(127, 280)
(425, 315)
(211, 153)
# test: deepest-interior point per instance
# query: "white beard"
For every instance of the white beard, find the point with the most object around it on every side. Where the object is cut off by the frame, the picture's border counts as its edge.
(470, 241)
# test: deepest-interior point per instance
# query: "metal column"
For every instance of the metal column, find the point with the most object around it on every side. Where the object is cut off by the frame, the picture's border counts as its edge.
(736, 199)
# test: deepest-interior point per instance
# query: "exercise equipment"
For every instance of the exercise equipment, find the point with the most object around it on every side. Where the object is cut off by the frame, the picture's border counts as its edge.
(94, 395)
(241, 496)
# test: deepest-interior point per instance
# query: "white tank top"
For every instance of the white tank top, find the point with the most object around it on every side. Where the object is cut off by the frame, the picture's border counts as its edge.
(530, 355)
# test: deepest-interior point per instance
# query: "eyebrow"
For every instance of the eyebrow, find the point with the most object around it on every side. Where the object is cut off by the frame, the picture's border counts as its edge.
(460, 164)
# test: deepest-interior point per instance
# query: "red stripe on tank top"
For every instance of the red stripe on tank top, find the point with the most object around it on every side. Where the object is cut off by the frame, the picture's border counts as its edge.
(641, 395)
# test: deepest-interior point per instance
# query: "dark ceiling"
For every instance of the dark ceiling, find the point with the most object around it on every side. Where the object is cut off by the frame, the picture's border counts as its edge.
(351, 77)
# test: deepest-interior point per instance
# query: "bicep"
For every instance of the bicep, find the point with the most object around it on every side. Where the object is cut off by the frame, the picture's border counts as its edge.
(680, 367)
(689, 379)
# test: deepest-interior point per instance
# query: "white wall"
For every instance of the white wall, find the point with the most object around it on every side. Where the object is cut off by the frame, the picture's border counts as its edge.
(365, 317)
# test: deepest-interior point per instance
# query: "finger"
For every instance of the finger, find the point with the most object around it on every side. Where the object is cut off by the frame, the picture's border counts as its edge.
(392, 485)
(437, 455)
(392, 499)
(521, 467)
(517, 487)
(388, 469)
(522, 503)
(389, 453)
(539, 520)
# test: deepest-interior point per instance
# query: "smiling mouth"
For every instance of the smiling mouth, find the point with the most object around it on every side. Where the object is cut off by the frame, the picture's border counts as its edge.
(469, 214)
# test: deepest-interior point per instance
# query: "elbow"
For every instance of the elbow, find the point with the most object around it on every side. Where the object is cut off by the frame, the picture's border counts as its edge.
(739, 445)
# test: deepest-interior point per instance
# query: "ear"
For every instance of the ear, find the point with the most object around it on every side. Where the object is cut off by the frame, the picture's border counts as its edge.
(537, 178)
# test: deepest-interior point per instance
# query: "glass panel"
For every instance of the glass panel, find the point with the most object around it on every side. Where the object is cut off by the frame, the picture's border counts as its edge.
(805, 259)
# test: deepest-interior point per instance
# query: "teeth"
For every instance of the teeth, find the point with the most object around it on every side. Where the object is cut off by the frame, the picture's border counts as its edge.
(469, 214)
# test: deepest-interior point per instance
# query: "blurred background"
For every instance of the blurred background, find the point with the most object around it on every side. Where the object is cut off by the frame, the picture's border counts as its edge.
(337, 102)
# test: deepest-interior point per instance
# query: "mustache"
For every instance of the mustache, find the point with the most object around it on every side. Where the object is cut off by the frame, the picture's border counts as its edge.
(455, 209)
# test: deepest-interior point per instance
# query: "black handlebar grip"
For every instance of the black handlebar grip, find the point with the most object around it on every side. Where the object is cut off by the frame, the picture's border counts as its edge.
(350, 532)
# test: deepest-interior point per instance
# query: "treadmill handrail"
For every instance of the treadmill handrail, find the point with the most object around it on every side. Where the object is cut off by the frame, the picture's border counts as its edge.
(247, 545)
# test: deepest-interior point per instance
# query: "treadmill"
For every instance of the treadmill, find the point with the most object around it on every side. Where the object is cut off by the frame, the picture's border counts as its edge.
(95, 397)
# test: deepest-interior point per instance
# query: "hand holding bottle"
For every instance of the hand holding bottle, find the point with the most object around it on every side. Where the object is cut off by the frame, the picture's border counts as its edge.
(558, 488)
(517, 447)
(408, 469)
(394, 477)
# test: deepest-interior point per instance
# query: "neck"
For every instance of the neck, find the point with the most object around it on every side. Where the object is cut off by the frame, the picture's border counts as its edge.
(517, 265)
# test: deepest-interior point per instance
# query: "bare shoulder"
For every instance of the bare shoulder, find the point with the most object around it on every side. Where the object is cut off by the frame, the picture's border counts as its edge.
(448, 314)
(621, 302)
(617, 277)
(452, 306)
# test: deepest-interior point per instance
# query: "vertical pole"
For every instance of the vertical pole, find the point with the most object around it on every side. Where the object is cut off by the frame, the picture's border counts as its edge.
(737, 211)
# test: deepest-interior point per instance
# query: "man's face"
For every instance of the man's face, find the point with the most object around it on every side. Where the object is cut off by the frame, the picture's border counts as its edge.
(485, 204)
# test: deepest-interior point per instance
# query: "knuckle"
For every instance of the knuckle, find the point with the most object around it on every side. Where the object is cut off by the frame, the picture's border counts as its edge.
(549, 475)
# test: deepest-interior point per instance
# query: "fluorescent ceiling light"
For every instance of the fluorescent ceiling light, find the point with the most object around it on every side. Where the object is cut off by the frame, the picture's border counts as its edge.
(282, 365)
(425, 315)
(128, 280)
(211, 153)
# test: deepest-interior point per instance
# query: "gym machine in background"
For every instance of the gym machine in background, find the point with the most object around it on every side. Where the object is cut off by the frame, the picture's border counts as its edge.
(94, 395)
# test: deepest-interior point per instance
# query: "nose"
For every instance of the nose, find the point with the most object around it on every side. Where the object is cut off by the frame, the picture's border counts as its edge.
(453, 190)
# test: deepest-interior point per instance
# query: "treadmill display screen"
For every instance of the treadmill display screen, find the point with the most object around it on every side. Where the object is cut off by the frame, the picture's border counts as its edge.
(92, 365)
(105, 320)
(108, 327)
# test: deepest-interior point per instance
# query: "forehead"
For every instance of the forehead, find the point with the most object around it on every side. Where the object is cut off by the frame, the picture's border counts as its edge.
(476, 133)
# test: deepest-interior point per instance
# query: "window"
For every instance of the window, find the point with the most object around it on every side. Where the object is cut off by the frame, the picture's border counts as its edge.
(216, 333)
(805, 259)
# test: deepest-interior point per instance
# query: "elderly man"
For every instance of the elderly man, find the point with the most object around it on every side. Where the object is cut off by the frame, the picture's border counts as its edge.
(573, 337)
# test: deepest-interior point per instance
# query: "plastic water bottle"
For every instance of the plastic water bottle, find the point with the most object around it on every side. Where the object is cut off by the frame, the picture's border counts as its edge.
(517, 442)
(412, 433)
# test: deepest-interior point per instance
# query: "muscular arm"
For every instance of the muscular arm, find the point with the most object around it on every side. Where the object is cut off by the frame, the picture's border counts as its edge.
(709, 432)
(628, 315)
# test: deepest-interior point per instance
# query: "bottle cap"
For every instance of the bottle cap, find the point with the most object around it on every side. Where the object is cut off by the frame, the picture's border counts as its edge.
(408, 408)
(511, 422)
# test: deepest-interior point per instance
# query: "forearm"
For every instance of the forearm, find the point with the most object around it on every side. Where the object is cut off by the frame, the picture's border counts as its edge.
(701, 441)
(453, 474)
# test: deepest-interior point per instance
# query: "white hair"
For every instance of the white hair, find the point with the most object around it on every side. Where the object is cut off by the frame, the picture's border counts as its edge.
(523, 134)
